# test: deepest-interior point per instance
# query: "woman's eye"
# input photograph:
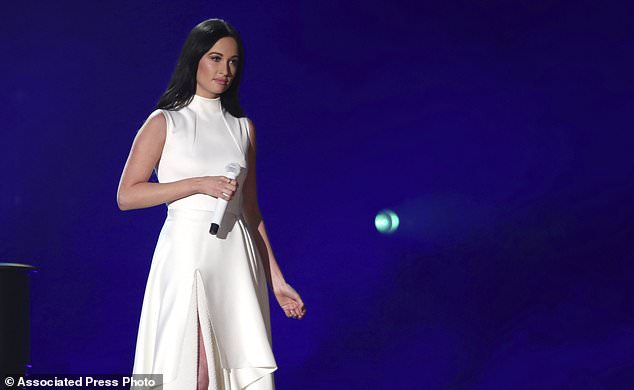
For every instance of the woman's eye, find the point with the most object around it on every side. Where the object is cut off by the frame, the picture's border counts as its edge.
(215, 58)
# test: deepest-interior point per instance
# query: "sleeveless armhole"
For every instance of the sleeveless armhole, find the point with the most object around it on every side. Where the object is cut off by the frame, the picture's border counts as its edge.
(248, 144)
(168, 130)
(246, 125)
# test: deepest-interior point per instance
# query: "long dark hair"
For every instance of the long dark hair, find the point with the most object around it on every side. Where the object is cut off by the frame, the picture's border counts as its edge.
(182, 87)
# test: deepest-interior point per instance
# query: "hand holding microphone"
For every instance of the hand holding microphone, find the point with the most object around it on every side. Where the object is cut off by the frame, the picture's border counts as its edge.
(232, 172)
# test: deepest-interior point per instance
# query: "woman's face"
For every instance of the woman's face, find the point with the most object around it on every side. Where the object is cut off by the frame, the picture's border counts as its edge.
(217, 68)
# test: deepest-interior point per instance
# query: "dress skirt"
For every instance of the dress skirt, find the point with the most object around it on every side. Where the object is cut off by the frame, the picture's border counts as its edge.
(218, 280)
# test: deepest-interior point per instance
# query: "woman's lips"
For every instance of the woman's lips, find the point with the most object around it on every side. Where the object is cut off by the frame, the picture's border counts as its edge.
(222, 82)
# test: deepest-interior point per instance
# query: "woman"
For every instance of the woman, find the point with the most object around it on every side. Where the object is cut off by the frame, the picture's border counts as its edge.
(205, 315)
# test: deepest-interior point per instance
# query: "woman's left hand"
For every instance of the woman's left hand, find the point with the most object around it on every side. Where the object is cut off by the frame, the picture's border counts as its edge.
(290, 301)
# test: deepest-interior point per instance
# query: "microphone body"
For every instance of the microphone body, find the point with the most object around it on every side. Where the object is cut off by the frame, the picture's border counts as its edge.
(232, 171)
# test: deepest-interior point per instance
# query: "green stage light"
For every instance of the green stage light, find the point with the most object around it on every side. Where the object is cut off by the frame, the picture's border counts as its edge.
(386, 221)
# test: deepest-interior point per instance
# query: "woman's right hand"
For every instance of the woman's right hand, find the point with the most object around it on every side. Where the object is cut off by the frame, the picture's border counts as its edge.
(220, 187)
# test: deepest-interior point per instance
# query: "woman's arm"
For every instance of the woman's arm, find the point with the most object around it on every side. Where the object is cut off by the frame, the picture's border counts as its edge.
(136, 192)
(286, 296)
(254, 217)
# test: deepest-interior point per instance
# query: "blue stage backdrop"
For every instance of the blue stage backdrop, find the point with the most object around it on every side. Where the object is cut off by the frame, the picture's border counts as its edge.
(498, 132)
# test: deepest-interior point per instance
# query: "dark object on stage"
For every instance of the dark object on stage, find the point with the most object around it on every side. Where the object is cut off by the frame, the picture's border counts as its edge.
(15, 341)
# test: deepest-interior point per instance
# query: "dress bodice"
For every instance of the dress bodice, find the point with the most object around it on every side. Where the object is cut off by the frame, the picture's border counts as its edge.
(202, 138)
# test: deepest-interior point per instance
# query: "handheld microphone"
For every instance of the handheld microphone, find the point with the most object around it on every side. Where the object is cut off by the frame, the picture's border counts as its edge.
(232, 171)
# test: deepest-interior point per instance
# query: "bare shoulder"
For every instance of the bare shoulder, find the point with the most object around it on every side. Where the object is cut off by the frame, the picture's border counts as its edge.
(150, 138)
(154, 129)
(251, 125)
(156, 122)
(251, 130)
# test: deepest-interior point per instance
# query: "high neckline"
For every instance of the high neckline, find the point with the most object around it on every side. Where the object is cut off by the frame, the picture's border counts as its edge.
(207, 105)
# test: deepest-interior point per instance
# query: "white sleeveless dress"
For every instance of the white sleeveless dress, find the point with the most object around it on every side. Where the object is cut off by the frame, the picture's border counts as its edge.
(218, 278)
